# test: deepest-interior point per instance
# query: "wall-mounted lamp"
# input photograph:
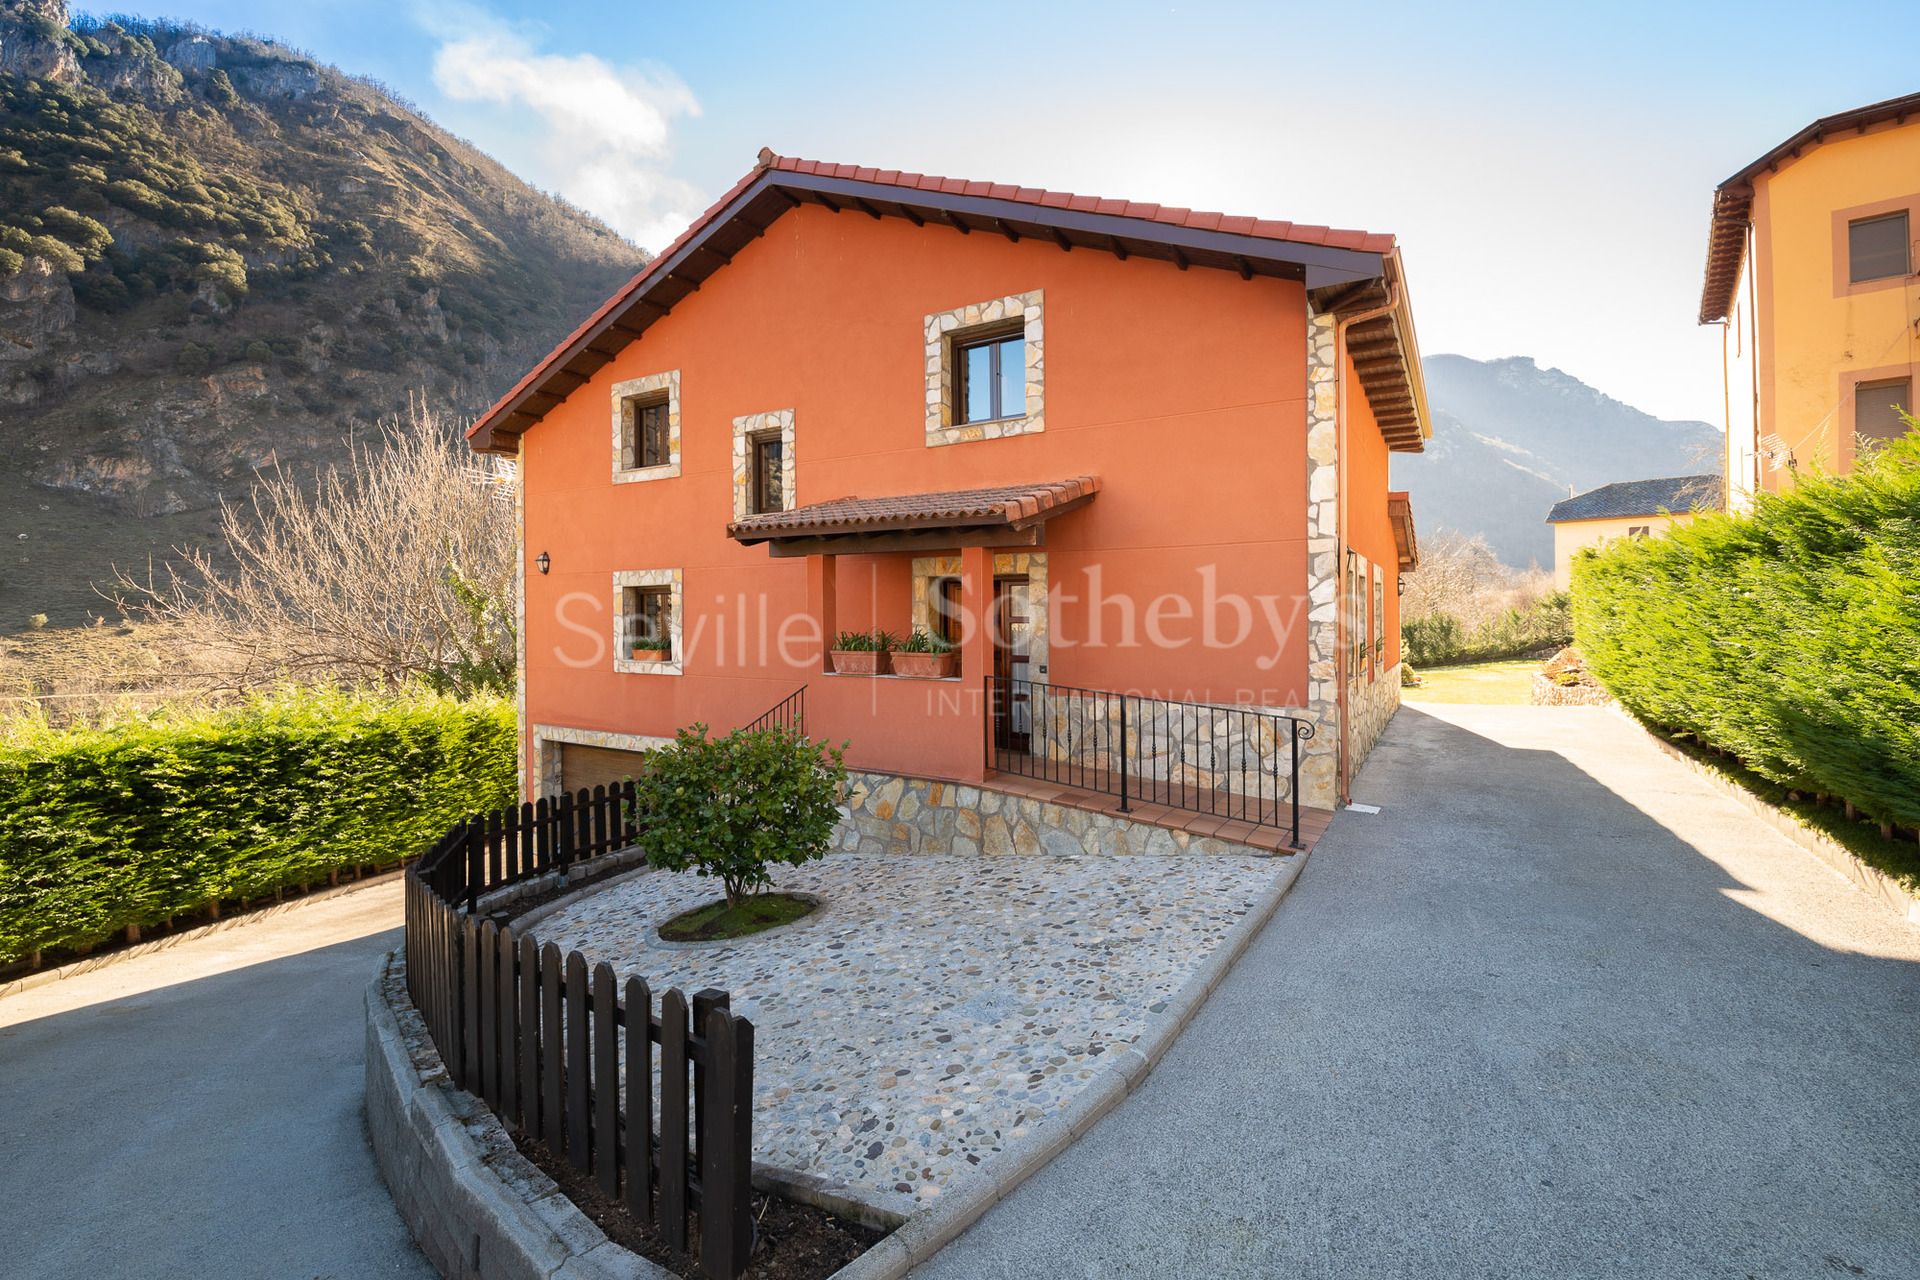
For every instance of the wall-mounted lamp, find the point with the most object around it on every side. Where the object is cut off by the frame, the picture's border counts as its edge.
(543, 562)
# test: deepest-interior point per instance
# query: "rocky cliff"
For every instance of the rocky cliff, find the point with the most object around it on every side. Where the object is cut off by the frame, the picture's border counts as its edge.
(217, 254)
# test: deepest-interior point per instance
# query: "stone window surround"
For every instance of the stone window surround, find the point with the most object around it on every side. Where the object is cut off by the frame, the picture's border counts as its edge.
(668, 578)
(744, 429)
(627, 390)
(1006, 564)
(546, 760)
(943, 327)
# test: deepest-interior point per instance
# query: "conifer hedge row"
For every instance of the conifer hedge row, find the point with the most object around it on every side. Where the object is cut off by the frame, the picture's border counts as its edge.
(136, 822)
(1788, 637)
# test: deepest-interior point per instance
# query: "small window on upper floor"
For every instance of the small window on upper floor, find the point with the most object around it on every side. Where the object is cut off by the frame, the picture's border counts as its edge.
(1639, 531)
(766, 460)
(992, 375)
(648, 612)
(1877, 248)
(645, 436)
(1877, 407)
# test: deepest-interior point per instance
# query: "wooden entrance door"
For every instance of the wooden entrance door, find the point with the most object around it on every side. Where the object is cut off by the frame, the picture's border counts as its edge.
(1009, 632)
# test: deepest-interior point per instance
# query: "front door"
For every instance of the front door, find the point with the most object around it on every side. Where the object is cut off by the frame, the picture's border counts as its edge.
(1009, 632)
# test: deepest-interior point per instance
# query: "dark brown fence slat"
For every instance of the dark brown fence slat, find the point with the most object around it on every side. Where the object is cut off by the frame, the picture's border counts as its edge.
(476, 861)
(606, 1081)
(705, 1001)
(600, 844)
(468, 1072)
(543, 834)
(726, 1152)
(578, 1077)
(529, 1112)
(527, 866)
(489, 959)
(673, 1119)
(508, 996)
(495, 861)
(510, 843)
(552, 1055)
(639, 1128)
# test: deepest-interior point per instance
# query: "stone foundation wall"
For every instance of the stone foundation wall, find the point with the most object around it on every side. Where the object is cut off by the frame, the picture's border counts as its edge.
(1371, 705)
(885, 814)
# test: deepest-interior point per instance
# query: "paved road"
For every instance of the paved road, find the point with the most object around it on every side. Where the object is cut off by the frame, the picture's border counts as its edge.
(196, 1112)
(1559, 1010)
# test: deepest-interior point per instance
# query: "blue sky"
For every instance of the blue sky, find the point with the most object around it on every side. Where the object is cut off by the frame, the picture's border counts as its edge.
(1547, 168)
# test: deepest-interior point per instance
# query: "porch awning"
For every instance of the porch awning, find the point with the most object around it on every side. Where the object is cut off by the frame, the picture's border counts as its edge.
(1005, 516)
(1405, 545)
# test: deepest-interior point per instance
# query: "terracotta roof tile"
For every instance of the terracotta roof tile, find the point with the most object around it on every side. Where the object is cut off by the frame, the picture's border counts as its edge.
(961, 508)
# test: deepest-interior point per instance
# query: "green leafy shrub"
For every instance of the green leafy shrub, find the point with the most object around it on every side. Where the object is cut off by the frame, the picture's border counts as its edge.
(865, 642)
(1439, 639)
(923, 642)
(137, 821)
(1788, 637)
(735, 806)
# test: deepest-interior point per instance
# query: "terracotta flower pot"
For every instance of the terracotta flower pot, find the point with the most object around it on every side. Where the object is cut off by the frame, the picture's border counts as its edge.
(652, 655)
(859, 662)
(925, 666)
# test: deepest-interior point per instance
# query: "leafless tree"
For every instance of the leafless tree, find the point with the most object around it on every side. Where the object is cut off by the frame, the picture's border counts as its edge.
(398, 566)
(1460, 576)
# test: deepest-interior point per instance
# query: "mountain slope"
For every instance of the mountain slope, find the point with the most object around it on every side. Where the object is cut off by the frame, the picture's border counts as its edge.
(216, 255)
(1510, 439)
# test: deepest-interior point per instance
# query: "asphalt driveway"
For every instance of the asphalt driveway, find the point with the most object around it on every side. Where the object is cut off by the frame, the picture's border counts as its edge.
(196, 1112)
(1559, 1010)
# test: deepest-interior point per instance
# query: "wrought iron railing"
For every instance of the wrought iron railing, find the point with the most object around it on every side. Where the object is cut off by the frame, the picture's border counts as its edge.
(1240, 763)
(788, 713)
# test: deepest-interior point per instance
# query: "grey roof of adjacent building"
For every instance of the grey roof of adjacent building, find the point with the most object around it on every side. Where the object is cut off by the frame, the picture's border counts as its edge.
(1640, 498)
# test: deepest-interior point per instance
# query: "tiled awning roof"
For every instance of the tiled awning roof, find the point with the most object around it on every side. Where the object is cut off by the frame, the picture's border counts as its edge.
(1400, 515)
(965, 514)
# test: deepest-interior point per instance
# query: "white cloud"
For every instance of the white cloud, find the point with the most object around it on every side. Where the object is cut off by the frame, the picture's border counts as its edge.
(602, 132)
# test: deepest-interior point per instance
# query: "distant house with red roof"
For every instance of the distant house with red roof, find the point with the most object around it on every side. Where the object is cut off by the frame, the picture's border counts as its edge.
(1127, 460)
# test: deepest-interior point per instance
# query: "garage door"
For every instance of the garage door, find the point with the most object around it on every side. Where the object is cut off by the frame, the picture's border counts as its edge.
(597, 766)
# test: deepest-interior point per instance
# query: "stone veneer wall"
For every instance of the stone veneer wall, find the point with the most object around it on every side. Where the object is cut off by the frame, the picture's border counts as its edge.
(1319, 768)
(885, 814)
(1372, 705)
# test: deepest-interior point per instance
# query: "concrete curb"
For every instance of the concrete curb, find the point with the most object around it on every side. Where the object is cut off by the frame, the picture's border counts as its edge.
(964, 1203)
(1875, 883)
(252, 915)
(472, 1202)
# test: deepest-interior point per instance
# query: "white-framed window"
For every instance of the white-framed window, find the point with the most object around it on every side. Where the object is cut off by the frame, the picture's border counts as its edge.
(986, 369)
(646, 428)
(646, 622)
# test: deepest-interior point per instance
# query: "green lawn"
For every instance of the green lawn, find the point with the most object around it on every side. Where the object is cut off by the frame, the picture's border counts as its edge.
(1487, 683)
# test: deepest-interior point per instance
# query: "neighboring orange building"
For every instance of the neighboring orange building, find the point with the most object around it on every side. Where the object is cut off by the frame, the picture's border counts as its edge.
(1811, 272)
(1106, 446)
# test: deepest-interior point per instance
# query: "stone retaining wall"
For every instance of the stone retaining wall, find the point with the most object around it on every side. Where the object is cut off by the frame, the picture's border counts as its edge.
(885, 814)
(1545, 693)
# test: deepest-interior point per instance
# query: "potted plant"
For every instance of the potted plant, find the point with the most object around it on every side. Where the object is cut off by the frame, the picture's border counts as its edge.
(861, 653)
(924, 656)
(652, 651)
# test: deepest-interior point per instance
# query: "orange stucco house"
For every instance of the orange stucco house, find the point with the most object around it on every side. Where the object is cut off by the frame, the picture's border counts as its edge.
(1106, 448)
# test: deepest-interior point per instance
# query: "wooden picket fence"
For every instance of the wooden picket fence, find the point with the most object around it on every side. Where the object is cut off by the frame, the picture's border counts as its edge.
(563, 1054)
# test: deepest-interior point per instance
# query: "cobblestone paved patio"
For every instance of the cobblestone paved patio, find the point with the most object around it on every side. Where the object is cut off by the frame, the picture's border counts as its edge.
(936, 1007)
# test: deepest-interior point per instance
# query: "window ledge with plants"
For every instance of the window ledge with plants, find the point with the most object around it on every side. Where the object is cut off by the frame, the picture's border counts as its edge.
(920, 656)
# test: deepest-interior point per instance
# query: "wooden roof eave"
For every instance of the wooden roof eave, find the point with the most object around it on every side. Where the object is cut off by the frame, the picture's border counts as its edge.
(667, 280)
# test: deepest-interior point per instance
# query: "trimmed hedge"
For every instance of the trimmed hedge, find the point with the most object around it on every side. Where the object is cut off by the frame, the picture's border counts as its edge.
(1788, 637)
(1441, 640)
(135, 822)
